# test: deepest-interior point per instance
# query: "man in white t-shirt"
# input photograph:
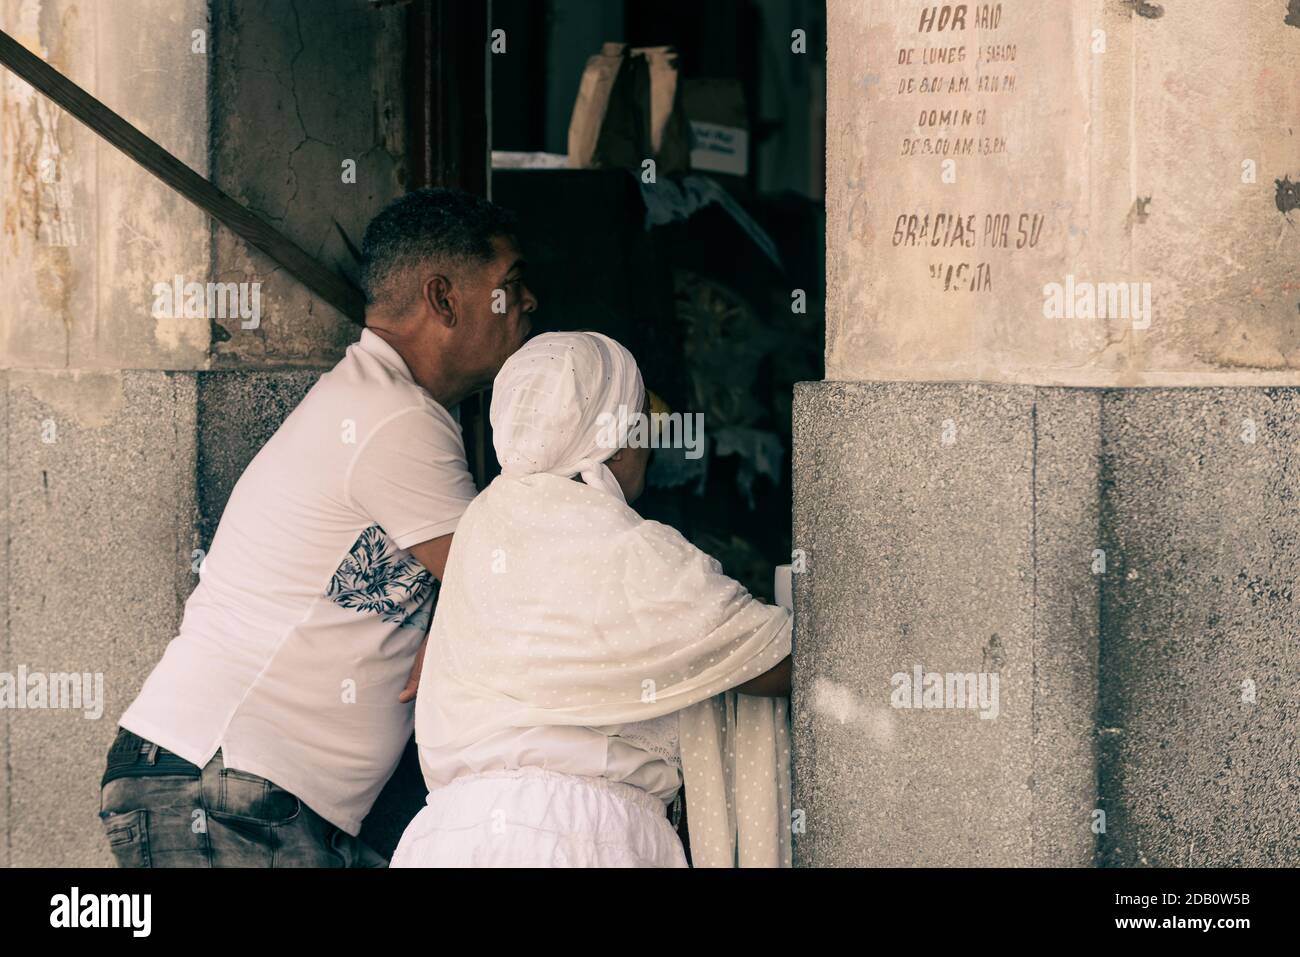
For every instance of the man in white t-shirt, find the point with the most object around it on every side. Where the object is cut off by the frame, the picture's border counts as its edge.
(273, 720)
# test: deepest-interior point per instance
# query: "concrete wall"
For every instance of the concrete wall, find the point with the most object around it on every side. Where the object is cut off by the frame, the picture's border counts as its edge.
(100, 530)
(1158, 688)
(948, 527)
(1198, 705)
(949, 491)
(952, 525)
(1154, 142)
(123, 433)
(301, 88)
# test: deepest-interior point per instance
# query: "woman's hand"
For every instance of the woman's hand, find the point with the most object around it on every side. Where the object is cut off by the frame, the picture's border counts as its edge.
(770, 684)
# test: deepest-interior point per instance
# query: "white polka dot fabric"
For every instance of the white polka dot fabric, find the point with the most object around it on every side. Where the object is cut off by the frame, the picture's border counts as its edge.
(562, 606)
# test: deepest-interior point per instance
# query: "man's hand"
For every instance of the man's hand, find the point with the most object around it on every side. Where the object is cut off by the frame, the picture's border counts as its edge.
(433, 556)
(413, 679)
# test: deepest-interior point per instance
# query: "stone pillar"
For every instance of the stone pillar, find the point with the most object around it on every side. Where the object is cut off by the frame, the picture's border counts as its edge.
(124, 431)
(1056, 443)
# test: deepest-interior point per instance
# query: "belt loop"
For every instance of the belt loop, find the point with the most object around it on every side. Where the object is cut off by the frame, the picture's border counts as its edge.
(153, 754)
(211, 785)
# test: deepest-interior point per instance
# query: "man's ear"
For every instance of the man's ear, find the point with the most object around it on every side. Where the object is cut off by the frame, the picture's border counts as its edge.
(440, 299)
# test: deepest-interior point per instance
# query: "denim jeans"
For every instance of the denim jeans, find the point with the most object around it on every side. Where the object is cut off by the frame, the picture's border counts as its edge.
(159, 810)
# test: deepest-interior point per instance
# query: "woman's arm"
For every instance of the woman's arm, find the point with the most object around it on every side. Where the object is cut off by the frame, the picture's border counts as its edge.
(770, 684)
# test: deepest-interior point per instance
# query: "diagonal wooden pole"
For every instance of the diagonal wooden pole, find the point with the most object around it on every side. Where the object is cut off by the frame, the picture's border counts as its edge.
(324, 282)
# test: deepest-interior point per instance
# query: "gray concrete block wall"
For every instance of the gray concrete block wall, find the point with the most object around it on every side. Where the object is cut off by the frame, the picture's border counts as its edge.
(100, 506)
(1202, 519)
(237, 413)
(1121, 688)
(102, 525)
(1066, 598)
(6, 652)
(914, 505)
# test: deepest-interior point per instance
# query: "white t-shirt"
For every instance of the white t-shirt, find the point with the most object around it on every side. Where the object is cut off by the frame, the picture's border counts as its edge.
(309, 611)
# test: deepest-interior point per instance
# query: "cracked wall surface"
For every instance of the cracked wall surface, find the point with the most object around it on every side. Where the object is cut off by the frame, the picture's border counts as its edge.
(302, 88)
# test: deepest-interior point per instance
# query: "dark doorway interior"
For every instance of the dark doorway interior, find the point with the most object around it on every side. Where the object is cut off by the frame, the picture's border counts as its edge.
(723, 308)
(712, 318)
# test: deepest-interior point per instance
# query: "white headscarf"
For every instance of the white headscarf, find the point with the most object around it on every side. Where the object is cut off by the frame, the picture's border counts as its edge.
(553, 402)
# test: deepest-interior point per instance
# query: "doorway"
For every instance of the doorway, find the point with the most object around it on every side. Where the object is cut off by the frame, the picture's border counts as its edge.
(712, 273)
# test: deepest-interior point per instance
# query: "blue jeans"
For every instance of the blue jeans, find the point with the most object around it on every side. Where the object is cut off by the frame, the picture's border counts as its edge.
(159, 810)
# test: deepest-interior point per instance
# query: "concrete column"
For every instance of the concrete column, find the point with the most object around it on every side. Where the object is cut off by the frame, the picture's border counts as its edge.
(124, 431)
(1056, 440)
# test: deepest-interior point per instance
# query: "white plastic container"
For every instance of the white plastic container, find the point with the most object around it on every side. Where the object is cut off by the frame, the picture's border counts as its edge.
(784, 585)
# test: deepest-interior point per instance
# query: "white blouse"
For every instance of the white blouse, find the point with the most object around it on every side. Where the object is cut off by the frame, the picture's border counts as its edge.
(644, 754)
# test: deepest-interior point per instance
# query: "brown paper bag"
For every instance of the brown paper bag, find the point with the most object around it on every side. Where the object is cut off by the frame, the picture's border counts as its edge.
(628, 109)
(595, 91)
(670, 143)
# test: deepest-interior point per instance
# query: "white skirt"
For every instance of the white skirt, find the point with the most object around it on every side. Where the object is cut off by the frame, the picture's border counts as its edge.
(532, 817)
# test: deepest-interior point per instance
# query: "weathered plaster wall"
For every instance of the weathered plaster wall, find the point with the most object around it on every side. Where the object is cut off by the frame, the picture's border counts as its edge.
(301, 88)
(87, 232)
(1159, 149)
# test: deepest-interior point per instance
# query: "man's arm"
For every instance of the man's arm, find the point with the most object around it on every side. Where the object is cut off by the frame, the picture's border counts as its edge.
(433, 556)
(410, 478)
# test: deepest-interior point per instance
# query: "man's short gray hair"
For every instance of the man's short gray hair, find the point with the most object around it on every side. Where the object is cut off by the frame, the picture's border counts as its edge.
(447, 226)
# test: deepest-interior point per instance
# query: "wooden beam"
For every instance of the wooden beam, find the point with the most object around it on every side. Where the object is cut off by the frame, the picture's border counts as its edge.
(447, 93)
(323, 282)
(448, 81)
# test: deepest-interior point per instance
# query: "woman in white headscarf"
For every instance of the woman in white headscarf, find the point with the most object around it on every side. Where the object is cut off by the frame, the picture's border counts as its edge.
(583, 661)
